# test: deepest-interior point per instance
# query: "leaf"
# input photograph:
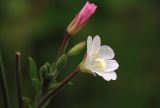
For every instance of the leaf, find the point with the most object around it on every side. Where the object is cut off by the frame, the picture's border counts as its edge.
(44, 71)
(52, 67)
(28, 102)
(70, 83)
(54, 85)
(34, 76)
(61, 62)
(46, 76)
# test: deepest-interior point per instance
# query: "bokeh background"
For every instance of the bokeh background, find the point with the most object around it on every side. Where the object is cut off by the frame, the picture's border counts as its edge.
(131, 27)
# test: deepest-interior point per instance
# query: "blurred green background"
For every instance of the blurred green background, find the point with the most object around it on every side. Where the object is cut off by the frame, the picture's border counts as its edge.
(130, 27)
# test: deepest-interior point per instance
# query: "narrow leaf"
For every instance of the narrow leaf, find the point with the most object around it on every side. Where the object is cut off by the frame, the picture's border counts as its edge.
(28, 102)
(34, 76)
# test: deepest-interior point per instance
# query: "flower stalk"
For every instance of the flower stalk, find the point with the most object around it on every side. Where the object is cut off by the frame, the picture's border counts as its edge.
(19, 80)
(3, 84)
(64, 44)
(79, 21)
(52, 93)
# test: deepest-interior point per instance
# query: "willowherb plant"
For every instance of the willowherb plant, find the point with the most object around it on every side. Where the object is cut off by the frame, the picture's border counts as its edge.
(98, 61)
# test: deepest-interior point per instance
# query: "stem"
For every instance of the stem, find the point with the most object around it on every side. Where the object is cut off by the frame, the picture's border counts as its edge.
(19, 80)
(58, 89)
(4, 84)
(64, 44)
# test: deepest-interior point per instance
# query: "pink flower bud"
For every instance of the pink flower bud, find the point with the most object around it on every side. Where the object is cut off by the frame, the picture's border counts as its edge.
(81, 18)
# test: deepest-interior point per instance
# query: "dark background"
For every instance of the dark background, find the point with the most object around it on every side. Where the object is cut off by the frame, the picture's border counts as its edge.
(130, 27)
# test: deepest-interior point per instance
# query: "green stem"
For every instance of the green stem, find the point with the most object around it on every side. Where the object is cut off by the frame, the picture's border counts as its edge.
(4, 84)
(19, 80)
(52, 93)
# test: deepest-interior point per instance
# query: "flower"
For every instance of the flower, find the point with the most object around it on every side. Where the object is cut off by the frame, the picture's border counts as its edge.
(81, 18)
(99, 59)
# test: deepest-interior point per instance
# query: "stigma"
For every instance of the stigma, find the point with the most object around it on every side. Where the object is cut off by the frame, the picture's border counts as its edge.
(99, 64)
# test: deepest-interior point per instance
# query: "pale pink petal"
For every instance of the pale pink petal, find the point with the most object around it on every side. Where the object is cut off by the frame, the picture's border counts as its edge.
(108, 76)
(81, 18)
(106, 52)
(96, 44)
(89, 45)
(88, 10)
(111, 65)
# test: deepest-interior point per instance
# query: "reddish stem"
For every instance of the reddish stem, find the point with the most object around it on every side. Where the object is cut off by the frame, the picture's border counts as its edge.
(19, 80)
(64, 44)
(60, 87)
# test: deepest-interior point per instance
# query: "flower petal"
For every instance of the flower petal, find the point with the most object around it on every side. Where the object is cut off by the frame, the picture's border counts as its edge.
(88, 10)
(89, 45)
(106, 51)
(111, 65)
(108, 76)
(96, 44)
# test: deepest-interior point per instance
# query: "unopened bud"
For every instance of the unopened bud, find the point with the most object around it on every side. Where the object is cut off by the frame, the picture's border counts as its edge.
(81, 18)
(77, 49)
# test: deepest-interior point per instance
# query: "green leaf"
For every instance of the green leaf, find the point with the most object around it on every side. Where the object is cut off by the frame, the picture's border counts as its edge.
(70, 83)
(34, 76)
(28, 102)
(45, 77)
(54, 85)
(52, 67)
(61, 62)
(44, 71)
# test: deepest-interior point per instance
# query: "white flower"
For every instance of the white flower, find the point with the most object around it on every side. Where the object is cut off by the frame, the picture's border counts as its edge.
(99, 59)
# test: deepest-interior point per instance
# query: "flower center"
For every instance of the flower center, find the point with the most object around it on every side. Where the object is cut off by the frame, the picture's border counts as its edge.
(99, 64)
